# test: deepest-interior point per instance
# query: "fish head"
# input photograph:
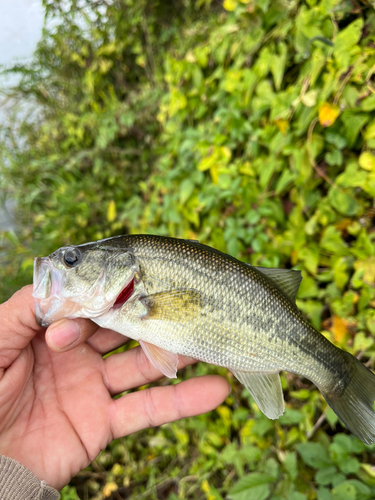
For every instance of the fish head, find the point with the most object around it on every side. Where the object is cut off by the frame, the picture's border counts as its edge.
(81, 281)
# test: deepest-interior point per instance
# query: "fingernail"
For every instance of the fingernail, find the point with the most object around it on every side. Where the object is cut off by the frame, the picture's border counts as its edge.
(63, 333)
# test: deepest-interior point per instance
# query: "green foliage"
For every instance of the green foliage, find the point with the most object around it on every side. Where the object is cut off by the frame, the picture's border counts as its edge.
(84, 135)
(250, 127)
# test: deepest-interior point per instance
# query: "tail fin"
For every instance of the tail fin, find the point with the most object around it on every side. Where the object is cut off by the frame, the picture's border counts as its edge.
(354, 406)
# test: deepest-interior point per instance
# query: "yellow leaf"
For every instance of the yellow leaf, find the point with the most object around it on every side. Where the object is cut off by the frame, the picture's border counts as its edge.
(367, 161)
(205, 486)
(339, 329)
(230, 5)
(225, 414)
(141, 60)
(247, 169)
(282, 125)
(368, 267)
(370, 469)
(207, 162)
(111, 212)
(109, 488)
(226, 152)
(328, 114)
(214, 171)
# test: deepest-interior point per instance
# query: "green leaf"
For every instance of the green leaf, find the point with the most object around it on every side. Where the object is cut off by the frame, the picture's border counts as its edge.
(291, 416)
(334, 157)
(291, 466)
(307, 289)
(368, 104)
(314, 454)
(255, 486)
(186, 190)
(325, 474)
(297, 496)
(361, 342)
(264, 5)
(278, 64)
(324, 494)
(344, 491)
(286, 178)
(363, 491)
(340, 272)
(331, 417)
(354, 123)
(343, 202)
(267, 172)
(250, 453)
(345, 41)
(349, 465)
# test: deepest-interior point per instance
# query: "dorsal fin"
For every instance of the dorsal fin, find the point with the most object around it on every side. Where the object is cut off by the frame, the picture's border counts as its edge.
(288, 280)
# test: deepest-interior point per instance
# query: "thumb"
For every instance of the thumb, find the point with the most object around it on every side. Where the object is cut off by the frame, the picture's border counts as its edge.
(18, 325)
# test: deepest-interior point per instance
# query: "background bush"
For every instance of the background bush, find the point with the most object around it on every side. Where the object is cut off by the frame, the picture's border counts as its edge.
(249, 125)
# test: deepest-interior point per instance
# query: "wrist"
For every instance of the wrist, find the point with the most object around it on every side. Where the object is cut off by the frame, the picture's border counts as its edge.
(19, 483)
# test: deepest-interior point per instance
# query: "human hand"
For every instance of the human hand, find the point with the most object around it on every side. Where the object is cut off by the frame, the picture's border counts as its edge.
(56, 406)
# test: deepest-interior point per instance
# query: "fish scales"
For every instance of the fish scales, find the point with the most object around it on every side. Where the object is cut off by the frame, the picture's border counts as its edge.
(180, 297)
(249, 321)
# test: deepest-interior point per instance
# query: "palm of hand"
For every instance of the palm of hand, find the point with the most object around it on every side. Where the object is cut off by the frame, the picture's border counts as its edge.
(56, 408)
(62, 419)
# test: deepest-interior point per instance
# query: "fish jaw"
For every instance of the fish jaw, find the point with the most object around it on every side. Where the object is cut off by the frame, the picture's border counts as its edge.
(51, 304)
(48, 282)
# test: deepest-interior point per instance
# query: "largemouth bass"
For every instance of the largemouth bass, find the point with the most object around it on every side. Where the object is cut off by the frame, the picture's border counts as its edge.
(181, 297)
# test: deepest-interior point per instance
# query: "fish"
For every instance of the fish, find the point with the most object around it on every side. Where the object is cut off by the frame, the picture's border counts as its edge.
(180, 297)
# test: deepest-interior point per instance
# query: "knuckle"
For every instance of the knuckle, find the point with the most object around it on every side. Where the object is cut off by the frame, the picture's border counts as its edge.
(144, 366)
(149, 408)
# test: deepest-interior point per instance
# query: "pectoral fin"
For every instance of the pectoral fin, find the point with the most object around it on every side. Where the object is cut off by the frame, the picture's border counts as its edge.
(266, 391)
(162, 360)
(174, 305)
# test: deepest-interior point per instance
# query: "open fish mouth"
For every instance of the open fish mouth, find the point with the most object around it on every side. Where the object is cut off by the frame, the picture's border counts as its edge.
(48, 282)
(51, 304)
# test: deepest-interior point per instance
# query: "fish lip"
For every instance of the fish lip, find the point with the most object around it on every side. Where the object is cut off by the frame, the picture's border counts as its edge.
(41, 274)
(41, 286)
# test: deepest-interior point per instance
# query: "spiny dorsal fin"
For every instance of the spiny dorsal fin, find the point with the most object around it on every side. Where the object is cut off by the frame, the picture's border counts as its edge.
(266, 391)
(288, 280)
(174, 305)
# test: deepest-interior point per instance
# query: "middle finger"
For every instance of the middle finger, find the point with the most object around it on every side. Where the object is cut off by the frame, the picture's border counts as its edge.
(130, 369)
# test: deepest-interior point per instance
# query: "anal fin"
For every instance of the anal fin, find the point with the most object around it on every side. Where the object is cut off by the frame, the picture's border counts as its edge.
(162, 360)
(266, 390)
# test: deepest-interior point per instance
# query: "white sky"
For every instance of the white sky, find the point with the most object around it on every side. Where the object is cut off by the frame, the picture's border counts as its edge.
(21, 23)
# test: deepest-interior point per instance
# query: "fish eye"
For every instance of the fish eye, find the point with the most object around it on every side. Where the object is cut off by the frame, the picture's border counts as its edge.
(72, 257)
